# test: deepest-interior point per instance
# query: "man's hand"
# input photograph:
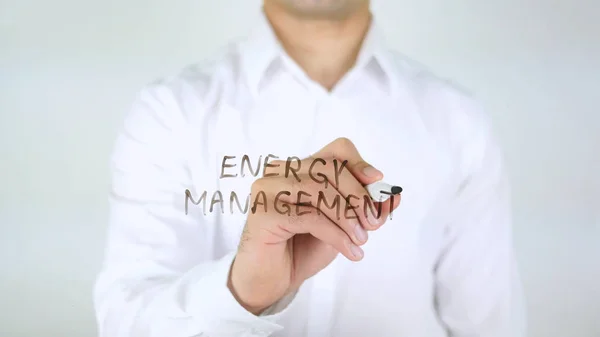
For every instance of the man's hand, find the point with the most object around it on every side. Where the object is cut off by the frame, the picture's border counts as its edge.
(289, 241)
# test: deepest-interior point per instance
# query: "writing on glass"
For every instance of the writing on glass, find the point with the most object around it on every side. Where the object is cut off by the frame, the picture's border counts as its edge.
(301, 205)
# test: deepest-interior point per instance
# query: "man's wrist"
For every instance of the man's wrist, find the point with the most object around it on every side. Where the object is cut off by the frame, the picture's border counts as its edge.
(252, 308)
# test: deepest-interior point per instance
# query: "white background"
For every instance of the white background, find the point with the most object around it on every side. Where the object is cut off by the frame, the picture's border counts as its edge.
(69, 70)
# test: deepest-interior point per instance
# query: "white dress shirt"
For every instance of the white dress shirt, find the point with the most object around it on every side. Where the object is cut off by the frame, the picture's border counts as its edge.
(442, 266)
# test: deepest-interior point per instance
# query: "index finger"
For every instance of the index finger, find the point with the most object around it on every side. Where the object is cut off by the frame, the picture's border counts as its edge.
(344, 149)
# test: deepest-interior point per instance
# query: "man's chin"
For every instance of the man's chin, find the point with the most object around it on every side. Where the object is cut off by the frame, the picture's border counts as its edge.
(325, 10)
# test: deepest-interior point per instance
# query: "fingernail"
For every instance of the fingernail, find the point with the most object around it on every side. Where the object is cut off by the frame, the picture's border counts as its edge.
(356, 251)
(372, 172)
(373, 219)
(361, 234)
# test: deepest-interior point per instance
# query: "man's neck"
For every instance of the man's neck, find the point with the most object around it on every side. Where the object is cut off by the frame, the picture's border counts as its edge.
(325, 49)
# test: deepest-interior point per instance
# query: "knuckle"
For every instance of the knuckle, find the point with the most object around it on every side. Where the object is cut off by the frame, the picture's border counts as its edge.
(294, 220)
(347, 224)
(348, 227)
(259, 184)
(344, 143)
(304, 184)
(330, 158)
(342, 240)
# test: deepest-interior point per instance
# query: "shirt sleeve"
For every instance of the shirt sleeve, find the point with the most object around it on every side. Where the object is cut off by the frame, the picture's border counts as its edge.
(478, 289)
(160, 275)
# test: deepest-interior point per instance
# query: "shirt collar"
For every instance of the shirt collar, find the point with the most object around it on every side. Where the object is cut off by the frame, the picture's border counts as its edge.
(262, 49)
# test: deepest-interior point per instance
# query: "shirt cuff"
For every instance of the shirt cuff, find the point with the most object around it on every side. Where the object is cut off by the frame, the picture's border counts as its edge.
(212, 303)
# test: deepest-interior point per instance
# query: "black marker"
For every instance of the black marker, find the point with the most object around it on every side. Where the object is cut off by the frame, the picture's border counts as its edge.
(381, 191)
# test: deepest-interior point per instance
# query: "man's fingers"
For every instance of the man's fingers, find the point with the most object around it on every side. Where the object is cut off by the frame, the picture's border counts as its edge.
(384, 210)
(341, 154)
(275, 227)
(330, 173)
(322, 228)
(297, 199)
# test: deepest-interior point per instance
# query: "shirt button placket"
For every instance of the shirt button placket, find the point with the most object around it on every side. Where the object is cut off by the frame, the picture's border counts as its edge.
(316, 125)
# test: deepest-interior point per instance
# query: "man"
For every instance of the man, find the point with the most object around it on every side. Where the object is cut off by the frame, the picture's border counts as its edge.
(313, 83)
